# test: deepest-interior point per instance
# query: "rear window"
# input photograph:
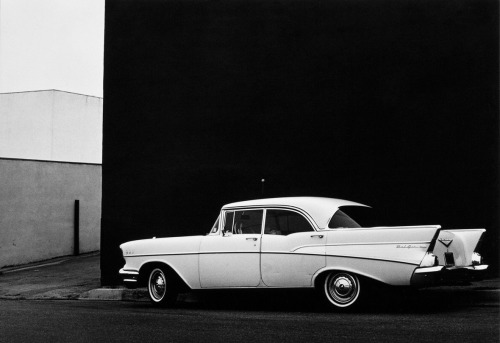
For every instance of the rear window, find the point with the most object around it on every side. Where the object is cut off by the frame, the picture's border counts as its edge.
(342, 220)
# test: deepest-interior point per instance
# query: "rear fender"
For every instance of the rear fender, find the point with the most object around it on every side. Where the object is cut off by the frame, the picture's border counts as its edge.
(403, 244)
(387, 272)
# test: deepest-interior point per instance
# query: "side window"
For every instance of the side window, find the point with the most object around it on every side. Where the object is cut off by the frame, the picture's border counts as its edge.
(283, 222)
(228, 222)
(246, 222)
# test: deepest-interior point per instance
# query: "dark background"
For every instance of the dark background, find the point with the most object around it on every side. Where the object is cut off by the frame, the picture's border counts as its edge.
(389, 103)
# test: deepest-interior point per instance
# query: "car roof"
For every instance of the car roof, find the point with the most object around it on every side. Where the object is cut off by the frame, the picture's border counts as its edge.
(318, 208)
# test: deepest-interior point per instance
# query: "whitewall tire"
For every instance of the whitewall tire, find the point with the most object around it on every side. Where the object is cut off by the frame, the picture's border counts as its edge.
(342, 289)
(161, 288)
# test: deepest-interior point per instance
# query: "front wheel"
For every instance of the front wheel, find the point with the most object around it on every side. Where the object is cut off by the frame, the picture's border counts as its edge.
(342, 289)
(161, 289)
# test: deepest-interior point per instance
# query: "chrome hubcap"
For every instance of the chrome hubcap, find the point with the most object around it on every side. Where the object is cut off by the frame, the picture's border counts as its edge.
(342, 288)
(157, 284)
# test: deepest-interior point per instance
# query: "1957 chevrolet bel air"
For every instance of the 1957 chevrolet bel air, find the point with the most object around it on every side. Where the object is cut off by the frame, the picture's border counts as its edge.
(300, 242)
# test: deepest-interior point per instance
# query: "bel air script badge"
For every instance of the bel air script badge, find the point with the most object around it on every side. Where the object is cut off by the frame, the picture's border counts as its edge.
(446, 242)
(410, 246)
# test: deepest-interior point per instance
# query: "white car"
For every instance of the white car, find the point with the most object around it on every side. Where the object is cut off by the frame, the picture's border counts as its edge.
(300, 242)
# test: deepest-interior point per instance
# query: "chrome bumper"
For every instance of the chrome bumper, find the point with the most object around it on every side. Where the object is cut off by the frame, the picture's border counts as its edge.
(129, 277)
(440, 275)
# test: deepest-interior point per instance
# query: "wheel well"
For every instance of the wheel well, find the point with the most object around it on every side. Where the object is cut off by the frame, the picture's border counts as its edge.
(171, 273)
(318, 282)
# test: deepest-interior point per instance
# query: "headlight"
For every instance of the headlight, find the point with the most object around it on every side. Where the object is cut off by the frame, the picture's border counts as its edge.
(476, 259)
(430, 260)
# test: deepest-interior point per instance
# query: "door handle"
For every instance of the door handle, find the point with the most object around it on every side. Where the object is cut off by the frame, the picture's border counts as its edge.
(252, 238)
(319, 236)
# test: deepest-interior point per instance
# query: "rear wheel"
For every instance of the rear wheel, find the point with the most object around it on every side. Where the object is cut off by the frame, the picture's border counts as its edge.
(342, 289)
(162, 290)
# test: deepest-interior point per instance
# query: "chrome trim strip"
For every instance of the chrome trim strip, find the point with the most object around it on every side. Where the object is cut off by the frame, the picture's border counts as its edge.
(227, 252)
(478, 267)
(375, 259)
(383, 228)
(308, 246)
(380, 243)
(128, 272)
(256, 287)
(164, 254)
(129, 280)
(280, 252)
(196, 253)
(270, 252)
(429, 269)
(277, 207)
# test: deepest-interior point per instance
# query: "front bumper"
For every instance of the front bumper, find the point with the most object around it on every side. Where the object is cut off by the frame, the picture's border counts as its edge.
(130, 277)
(440, 275)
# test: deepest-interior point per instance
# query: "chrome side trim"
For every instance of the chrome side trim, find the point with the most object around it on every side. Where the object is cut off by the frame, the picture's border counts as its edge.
(383, 228)
(164, 254)
(374, 259)
(379, 243)
(351, 244)
(257, 287)
(196, 253)
(307, 246)
(270, 252)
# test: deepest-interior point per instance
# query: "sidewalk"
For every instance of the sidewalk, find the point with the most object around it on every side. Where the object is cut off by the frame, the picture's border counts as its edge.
(71, 277)
(78, 277)
(61, 278)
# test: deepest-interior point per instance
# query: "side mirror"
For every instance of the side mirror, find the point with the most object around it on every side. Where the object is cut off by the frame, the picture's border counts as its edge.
(227, 233)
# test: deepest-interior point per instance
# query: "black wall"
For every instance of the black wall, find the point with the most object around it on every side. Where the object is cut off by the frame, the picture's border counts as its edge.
(389, 103)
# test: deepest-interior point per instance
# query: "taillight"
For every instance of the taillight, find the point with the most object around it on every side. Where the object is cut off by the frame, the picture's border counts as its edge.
(476, 259)
(430, 260)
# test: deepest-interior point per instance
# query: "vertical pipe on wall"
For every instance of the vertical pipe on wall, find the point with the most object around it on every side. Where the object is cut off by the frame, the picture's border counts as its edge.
(76, 227)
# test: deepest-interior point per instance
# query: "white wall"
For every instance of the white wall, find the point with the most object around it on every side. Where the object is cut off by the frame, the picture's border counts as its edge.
(50, 156)
(37, 201)
(51, 125)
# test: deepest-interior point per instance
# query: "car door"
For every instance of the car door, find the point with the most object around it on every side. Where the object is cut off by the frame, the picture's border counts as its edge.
(292, 251)
(232, 257)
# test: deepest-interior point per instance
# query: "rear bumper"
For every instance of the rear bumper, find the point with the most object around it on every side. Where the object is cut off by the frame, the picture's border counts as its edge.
(440, 275)
(130, 277)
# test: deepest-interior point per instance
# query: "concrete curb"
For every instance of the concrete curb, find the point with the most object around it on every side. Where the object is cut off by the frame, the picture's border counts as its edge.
(115, 294)
(124, 294)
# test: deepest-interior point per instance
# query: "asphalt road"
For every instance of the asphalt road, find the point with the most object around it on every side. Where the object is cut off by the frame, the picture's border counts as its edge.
(426, 316)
